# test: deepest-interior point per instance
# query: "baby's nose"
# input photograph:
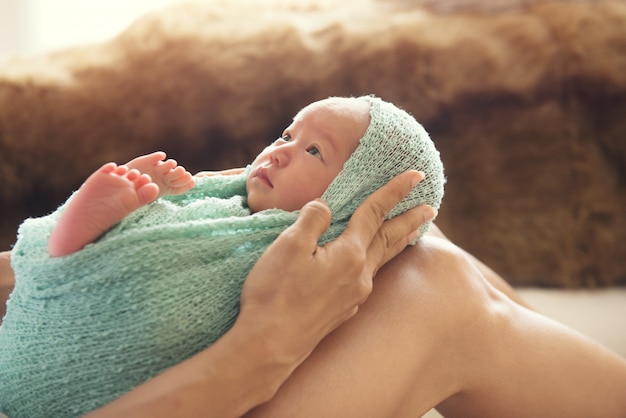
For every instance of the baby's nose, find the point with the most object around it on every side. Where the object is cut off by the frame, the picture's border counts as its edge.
(280, 156)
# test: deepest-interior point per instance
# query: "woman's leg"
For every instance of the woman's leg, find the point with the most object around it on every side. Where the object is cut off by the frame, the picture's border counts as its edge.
(538, 367)
(436, 332)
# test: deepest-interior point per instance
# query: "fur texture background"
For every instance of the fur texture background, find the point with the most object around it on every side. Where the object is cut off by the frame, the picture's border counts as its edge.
(525, 100)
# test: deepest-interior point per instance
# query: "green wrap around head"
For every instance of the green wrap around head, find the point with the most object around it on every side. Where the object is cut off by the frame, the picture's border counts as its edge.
(394, 142)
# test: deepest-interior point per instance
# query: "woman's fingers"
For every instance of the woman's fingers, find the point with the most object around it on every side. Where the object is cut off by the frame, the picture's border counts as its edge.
(312, 222)
(369, 217)
(366, 230)
(392, 237)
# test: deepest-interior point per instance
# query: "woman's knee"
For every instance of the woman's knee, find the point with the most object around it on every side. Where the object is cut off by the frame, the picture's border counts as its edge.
(450, 276)
(439, 305)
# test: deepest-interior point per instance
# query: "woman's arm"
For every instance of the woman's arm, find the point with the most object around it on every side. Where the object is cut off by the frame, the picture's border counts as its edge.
(293, 297)
(7, 281)
(225, 380)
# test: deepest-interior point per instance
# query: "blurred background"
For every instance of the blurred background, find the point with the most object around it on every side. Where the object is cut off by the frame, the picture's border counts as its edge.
(32, 27)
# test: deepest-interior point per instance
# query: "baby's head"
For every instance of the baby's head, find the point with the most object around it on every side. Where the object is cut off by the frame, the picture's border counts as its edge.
(343, 149)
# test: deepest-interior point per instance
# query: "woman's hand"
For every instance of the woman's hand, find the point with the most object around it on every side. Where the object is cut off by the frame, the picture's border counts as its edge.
(229, 172)
(299, 292)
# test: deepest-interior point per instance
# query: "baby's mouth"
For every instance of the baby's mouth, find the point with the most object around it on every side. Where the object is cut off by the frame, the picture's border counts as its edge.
(261, 174)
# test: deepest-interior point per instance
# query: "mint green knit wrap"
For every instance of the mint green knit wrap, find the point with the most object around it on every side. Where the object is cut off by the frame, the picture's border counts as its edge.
(164, 283)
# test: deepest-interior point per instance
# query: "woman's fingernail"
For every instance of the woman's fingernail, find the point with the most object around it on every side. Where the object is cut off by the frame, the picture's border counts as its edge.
(429, 214)
(417, 179)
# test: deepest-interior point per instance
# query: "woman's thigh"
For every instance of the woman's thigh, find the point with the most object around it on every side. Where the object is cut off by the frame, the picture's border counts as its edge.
(401, 354)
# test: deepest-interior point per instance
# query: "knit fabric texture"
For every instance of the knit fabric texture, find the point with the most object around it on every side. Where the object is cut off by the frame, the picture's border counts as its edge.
(164, 283)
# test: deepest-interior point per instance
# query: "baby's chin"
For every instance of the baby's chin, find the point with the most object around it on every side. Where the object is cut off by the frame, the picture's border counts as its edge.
(252, 204)
(256, 203)
(256, 206)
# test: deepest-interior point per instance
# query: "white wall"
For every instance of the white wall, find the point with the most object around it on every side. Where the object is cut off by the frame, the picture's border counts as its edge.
(15, 30)
(30, 27)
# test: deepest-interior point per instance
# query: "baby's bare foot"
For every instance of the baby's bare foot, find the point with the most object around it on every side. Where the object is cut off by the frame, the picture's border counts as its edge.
(171, 178)
(106, 197)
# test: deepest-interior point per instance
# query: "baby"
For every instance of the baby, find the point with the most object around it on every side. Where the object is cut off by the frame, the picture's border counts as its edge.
(294, 170)
(143, 266)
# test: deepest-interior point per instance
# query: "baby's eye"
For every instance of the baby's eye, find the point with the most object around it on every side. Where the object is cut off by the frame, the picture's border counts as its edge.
(314, 151)
(283, 138)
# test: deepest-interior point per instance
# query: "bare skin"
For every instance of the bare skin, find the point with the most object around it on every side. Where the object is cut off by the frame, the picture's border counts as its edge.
(110, 194)
(492, 277)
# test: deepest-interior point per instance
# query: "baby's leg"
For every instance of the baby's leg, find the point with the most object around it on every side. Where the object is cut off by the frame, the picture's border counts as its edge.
(171, 178)
(104, 199)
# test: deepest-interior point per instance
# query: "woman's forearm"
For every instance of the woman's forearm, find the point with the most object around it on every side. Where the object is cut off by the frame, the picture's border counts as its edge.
(226, 380)
(7, 281)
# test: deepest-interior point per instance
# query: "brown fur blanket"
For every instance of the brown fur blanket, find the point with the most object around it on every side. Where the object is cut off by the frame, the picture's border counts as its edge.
(525, 100)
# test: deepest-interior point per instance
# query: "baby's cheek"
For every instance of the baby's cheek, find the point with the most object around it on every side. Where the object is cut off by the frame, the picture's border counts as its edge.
(302, 195)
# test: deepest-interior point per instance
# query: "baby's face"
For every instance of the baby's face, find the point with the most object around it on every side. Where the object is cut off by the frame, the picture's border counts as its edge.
(299, 166)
